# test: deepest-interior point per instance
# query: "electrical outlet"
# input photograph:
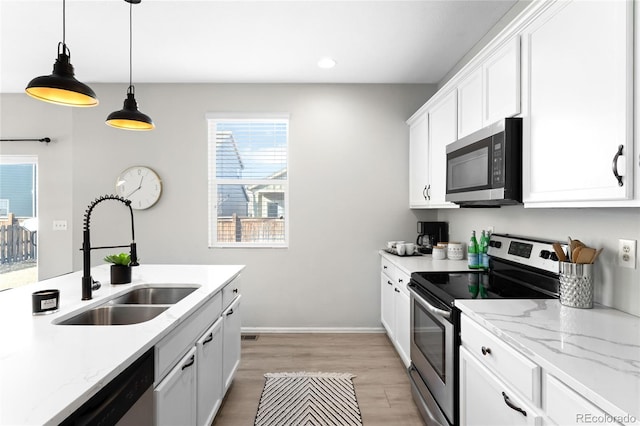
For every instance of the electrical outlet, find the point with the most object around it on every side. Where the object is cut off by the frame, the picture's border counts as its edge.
(627, 253)
(490, 229)
(59, 225)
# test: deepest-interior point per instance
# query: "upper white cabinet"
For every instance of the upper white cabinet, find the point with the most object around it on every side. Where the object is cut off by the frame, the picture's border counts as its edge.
(491, 91)
(578, 103)
(419, 162)
(443, 129)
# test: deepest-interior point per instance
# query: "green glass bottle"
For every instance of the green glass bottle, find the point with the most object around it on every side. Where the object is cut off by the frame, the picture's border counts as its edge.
(482, 251)
(472, 252)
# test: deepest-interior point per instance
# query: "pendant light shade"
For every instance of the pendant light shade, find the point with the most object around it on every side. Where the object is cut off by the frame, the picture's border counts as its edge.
(129, 117)
(61, 87)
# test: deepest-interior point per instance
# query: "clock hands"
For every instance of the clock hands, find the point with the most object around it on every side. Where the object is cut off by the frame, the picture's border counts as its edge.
(139, 186)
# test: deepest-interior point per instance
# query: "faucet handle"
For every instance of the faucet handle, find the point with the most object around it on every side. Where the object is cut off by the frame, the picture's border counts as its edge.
(95, 284)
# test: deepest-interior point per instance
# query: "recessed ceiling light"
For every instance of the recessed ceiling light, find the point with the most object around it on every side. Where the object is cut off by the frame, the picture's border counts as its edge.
(326, 63)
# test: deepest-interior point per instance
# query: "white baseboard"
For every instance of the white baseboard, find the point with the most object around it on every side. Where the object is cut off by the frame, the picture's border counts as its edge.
(264, 330)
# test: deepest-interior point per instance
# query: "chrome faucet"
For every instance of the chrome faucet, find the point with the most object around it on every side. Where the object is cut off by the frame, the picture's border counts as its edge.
(88, 284)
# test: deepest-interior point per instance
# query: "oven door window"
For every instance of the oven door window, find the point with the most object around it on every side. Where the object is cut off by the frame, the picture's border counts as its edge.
(429, 336)
(468, 167)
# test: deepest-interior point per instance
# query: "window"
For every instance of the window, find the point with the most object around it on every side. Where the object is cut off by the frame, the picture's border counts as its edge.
(248, 180)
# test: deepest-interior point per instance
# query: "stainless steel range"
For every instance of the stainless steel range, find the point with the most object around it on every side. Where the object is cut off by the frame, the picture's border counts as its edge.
(519, 268)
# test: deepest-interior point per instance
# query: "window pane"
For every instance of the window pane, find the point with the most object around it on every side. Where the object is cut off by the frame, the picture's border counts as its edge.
(251, 150)
(250, 213)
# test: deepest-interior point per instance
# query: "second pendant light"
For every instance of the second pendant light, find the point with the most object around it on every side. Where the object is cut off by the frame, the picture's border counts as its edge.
(129, 117)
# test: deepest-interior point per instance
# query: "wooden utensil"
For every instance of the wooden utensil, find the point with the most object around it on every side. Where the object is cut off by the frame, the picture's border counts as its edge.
(559, 252)
(595, 256)
(575, 253)
(585, 255)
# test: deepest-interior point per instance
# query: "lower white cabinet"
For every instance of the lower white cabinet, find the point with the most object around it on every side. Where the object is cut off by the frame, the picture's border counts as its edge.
(395, 308)
(196, 362)
(175, 397)
(486, 400)
(231, 342)
(209, 381)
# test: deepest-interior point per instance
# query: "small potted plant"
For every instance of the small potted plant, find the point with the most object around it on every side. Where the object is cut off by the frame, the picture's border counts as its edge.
(120, 270)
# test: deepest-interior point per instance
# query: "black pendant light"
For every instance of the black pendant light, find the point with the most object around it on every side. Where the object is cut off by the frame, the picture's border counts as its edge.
(61, 87)
(129, 118)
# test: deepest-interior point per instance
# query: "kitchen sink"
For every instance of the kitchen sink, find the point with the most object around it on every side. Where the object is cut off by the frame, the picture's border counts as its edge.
(153, 296)
(115, 315)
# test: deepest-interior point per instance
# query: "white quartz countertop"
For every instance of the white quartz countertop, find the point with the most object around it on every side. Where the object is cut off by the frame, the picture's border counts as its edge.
(594, 351)
(47, 371)
(425, 263)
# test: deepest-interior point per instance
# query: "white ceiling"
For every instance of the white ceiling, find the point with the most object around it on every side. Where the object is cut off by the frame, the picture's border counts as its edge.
(238, 41)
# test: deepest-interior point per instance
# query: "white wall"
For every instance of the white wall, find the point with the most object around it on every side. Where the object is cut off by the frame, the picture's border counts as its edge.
(348, 191)
(24, 117)
(614, 286)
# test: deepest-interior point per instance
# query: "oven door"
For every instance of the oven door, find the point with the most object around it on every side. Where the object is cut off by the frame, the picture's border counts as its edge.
(432, 350)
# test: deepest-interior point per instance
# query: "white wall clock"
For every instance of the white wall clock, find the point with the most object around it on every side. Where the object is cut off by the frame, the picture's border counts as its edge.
(141, 185)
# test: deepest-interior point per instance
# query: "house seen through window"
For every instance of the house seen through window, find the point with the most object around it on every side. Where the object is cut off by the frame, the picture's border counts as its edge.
(248, 181)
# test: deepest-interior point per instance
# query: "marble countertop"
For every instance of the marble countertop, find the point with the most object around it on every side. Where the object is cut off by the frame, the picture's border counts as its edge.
(594, 351)
(47, 371)
(424, 263)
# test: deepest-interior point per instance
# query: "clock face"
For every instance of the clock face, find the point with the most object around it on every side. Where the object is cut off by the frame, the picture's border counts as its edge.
(141, 185)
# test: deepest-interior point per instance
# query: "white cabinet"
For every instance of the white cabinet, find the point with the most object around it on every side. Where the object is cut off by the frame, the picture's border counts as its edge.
(175, 397)
(486, 400)
(490, 92)
(578, 103)
(395, 308)
(231, 342)
(470, 103)
(442, 131)
(419, 162)
(209, 380)
(196, 362)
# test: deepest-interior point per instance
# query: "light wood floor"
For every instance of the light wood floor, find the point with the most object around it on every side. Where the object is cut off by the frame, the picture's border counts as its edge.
(382, 385)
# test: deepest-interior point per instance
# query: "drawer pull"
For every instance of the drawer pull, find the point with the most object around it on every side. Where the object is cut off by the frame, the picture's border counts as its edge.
(230, 312)
(189, 363)
(396, 290)
(384, 267)
(512, 406)
(389, 282)
(399, 280)
(208, 339)
(235, 290)
(486, 351)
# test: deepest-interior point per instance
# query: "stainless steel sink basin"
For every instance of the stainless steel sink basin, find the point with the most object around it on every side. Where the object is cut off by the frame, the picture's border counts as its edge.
(115, 315)
(153, 296)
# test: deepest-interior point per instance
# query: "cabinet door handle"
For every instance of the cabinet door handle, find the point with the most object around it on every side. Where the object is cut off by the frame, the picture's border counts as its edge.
(512, 406)
(396, 290)
(486, 351)
(424, 192)
(235, 290)
(230, 312)
(399, 280)
(384, 267)
(614, 165)
(389, 282)
(189, 363)
(429, 192)
(208, 339)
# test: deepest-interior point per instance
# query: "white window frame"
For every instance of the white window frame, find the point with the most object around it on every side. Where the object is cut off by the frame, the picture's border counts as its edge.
(214, 181)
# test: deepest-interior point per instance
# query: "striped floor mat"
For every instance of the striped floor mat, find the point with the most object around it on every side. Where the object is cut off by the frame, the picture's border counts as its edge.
(308, 399)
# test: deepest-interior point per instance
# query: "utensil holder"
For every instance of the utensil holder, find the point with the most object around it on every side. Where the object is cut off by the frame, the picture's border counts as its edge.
(576, 285)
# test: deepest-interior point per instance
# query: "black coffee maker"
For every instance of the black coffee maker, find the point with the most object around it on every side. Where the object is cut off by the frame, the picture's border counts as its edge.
(430, 234)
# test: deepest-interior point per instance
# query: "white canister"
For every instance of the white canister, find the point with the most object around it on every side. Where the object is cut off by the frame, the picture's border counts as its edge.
(439, 253)
(455, 251)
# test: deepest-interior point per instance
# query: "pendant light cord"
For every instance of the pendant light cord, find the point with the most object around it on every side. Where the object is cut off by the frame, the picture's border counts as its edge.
(64, 23)
(130, 48)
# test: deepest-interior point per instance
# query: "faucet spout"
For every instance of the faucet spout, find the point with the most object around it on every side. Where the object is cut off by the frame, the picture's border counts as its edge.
(88, 284)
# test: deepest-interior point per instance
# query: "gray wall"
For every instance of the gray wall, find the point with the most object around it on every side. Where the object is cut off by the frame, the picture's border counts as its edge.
(348, 189)
(23, 117)
(601, 227)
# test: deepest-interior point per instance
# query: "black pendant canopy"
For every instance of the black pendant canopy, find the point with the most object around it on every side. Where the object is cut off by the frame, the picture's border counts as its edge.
(129, 117)
(61, 87)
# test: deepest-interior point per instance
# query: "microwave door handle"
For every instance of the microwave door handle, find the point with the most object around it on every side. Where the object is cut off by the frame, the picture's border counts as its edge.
(436, 311)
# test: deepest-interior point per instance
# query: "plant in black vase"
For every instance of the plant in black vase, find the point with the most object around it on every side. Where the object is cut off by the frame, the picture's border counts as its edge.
(121, 268)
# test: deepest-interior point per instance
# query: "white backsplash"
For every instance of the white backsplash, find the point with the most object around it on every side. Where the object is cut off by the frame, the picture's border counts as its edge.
(602, 227)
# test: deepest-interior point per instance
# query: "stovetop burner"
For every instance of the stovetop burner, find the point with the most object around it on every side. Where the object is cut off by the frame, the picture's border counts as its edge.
(520, 268)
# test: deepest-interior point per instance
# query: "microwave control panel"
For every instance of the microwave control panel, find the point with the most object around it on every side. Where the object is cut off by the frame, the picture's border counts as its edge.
(497, 163)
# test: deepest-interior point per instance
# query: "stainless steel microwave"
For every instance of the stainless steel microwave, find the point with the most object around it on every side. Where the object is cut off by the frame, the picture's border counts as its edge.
(485, 167)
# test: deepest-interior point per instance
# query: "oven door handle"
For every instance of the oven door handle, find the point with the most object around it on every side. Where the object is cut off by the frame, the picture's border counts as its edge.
(436, 311)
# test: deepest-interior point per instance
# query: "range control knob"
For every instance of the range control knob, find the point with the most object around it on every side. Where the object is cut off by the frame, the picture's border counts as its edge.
(498, 244)
(554, 257)
(545, 254)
